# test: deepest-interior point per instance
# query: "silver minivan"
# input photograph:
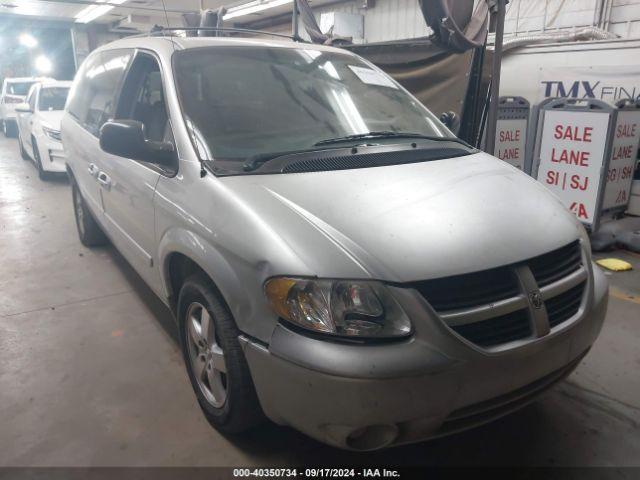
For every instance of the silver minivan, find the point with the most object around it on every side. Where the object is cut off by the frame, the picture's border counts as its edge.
(336, 259)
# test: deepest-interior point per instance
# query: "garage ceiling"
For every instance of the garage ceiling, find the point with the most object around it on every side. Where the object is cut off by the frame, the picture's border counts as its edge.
(68, 10)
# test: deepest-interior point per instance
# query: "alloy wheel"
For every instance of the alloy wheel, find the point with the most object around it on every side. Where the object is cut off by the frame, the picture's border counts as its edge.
(207, 358)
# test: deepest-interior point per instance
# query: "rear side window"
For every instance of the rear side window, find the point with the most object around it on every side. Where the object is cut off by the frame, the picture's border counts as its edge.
(92, 101)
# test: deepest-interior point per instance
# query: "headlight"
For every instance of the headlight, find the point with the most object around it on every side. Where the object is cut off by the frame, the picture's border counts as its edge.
(338, 307)
(51, 133)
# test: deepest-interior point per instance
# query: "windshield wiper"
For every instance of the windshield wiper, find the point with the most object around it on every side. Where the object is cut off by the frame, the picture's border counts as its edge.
(256, 161)
(389, 134)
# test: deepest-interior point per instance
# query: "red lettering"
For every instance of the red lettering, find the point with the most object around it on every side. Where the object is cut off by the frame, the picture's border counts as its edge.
(509, 154)
(573, 133)
(587, 134)
(571, 157)
(577, 184)
(580, 210)
(626, 130)
(510, 135)
(622, 152)
(552, 177)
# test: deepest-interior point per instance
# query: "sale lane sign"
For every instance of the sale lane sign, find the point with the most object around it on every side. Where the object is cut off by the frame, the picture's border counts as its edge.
(571, 157)
(510, 141)
(624, 151)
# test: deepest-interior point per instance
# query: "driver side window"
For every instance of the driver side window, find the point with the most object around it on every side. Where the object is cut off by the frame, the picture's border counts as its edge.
(143, 99)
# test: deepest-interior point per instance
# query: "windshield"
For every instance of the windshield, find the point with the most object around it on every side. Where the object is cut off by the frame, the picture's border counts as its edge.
(53, 98)
(19, 88)
(239, 101)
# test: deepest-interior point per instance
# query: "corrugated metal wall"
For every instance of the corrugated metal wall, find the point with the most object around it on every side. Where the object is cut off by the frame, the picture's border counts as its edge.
(388, 20)
(400, 19)
(621, 17)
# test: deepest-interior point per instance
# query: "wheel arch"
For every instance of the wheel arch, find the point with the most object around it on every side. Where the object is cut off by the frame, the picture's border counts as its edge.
(184, 253)
(70, 174)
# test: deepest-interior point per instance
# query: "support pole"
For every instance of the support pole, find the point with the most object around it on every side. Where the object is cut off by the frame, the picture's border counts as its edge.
(499, 7)
(294, 21)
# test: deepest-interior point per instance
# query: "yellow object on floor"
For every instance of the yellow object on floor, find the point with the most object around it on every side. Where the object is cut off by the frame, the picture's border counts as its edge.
(614, 264)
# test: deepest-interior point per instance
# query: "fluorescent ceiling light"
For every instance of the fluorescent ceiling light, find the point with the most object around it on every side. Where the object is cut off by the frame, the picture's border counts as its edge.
(43, 64)
(254, 7)
(27, 40)
(92, 12)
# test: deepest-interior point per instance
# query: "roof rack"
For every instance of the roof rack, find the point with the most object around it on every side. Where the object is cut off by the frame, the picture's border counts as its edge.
(161, 31)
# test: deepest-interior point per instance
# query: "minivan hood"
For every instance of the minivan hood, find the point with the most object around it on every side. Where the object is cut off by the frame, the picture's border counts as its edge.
(413, 221)
(51, 118)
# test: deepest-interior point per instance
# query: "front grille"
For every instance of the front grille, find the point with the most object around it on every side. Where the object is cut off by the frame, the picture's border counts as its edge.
(471, 303)
(497, 330)
(464, 291)
(555, 265)
(564, 306)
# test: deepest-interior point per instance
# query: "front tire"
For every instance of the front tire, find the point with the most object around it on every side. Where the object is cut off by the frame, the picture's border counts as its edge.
(42, 175)
(215, 362)
(23, 152)
(90, 233)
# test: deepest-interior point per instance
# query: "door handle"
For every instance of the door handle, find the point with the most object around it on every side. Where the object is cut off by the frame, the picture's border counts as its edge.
(93, 170)
(104, 180)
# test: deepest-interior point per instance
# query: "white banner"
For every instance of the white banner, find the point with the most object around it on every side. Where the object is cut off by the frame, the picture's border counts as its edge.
(606, 83)
(626, 137)
(510, 141)
(572, 153)
(522, 76)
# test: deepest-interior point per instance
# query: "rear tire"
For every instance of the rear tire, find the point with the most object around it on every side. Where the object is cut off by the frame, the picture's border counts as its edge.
(215, 362)
(90, 233)
(9, 129)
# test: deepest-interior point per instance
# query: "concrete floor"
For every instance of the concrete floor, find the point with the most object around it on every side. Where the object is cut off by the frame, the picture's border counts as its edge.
(91, 373)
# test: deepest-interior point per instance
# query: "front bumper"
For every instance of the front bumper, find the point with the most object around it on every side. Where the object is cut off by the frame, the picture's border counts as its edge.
(52, 154)
(364, 397)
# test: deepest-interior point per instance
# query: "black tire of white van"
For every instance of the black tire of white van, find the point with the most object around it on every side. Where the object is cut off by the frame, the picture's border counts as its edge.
(90, 233)
(42, 174)
(241, 409)
(10, 129)
(23, 152)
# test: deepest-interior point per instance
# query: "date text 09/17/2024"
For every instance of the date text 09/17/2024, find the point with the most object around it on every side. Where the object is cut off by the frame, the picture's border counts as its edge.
(315, 473)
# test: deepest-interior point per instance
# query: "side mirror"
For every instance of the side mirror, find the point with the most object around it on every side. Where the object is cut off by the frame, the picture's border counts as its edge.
(126, 138)
(23, 108)
(451, 121)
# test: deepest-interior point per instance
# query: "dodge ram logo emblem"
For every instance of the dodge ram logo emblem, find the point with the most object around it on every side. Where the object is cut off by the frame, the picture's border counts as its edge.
(536, 300)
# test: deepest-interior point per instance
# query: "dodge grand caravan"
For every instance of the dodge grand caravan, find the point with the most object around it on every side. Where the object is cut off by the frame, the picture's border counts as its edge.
(336, 259)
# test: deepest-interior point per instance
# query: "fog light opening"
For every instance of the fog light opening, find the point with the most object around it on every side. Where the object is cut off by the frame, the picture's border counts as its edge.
(372, 437)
